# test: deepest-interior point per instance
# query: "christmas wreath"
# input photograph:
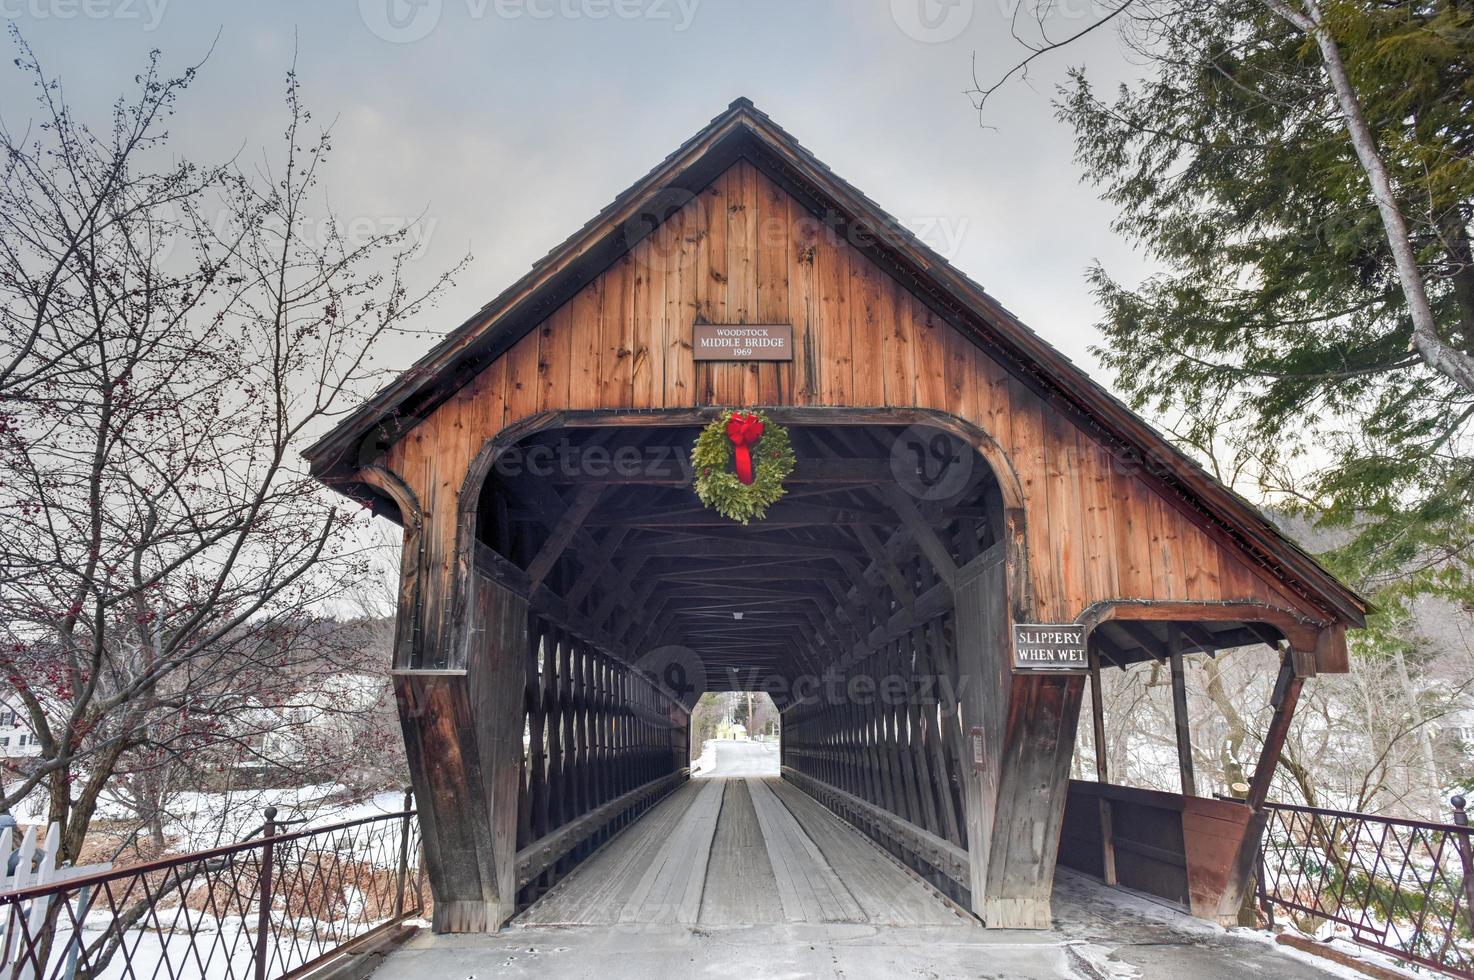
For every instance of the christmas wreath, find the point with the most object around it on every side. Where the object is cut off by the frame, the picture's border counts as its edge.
(741, 460)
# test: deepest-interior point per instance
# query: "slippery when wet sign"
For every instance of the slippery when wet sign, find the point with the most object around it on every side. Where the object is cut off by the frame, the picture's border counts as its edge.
(1049, 647)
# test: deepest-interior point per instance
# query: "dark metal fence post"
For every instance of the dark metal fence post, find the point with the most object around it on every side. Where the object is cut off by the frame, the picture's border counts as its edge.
(263, 914)
(1461, 820)
(409, 796)
(1265, 905)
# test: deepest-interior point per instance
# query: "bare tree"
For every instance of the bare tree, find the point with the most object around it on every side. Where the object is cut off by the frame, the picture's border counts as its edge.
(319, 733)
(172, 334)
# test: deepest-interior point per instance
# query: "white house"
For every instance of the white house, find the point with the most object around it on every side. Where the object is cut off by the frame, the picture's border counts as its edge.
(284, 735)
(17, 741)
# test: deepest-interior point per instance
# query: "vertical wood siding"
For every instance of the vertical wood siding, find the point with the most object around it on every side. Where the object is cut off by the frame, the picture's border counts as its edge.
(744, 251)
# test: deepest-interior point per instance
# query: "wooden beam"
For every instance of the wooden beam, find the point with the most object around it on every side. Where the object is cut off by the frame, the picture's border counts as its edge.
(1141, 634)
(1179, 713)
(728, 548)
(865, 595)
(736, 594)
(879, 554)
(935, 550)
(1239, 880)
(594, 565)
(1108, 648)
(493, 567)
(1198, 637)
(545, 501)
(857, 472)
(612, 597)
(781, 515)
(843, 604)
(1285, 697)
(635, 618)
(562, 533)
(1102, 771)
(754, 571)
(1301, 632)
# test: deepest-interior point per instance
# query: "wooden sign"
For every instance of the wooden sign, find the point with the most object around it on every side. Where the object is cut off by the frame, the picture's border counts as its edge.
(743, 342)
(1049, 647)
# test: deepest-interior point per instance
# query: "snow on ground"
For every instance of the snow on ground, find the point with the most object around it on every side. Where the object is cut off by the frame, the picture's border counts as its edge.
(1361, 953)
(199, 821)
(707, 760)
(160, 945)
(204, 820)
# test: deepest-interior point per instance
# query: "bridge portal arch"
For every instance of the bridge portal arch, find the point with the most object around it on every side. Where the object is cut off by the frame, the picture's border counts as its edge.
(1081, 516)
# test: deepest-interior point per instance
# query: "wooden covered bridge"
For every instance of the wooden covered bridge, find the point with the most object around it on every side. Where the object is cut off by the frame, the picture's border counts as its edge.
(971, 529)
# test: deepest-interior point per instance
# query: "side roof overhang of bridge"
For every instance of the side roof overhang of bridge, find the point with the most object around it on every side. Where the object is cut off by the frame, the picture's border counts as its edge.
(744, 132)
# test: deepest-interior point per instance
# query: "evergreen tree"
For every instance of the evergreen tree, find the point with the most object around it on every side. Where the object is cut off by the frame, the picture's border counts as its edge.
(1253, 165)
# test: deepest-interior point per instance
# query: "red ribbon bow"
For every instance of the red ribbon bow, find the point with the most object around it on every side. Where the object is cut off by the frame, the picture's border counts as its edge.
(744, 431)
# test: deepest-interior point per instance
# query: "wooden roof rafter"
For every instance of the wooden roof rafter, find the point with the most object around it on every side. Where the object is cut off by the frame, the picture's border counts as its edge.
(809, 592)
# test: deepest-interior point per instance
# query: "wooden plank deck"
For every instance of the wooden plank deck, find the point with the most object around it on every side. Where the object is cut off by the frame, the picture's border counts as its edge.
(722, 852)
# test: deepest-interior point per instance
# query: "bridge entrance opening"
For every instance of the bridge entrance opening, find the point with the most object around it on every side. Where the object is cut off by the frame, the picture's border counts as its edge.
(664, 637)
(735, 733)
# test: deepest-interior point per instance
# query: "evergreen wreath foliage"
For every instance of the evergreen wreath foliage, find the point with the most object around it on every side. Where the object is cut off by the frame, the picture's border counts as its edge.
(717, 485)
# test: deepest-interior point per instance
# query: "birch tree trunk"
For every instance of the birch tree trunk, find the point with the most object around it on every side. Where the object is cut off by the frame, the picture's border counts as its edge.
(1427, 792)
(1444, 358)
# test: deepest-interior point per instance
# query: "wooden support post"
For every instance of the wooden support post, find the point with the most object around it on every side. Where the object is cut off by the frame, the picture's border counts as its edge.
(463, 739)
(1240, 877)
(1019, 734)
(1179, 713)
(1102, 772)
(1284, 699)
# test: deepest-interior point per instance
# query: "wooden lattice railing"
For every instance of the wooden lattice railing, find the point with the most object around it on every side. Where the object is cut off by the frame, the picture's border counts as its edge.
(603, 744)
(880, 745)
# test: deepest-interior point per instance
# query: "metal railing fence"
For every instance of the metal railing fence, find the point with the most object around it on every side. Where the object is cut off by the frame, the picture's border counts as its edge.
(273, 906)
(1404, 887)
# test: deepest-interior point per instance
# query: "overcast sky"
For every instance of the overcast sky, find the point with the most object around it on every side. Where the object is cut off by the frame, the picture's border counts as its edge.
(508, 123)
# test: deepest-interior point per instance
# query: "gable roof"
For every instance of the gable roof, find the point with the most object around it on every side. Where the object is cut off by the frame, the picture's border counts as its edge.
(744, 132)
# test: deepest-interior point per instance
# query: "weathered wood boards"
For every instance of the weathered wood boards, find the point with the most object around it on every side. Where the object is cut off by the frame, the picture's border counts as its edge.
(463, 736)
(726, 852)
(1089, 517)
(1149, 543)
(1015, 789)
(1183, 849)
(500, 815)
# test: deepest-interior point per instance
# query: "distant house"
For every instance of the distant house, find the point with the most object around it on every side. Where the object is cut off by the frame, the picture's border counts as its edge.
(1459, 725)
(17, 740)
(734, 731)
(284, 742)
